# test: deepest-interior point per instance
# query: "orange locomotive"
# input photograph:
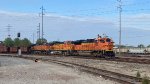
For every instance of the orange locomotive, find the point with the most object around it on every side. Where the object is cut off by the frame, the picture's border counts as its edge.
(102, 46)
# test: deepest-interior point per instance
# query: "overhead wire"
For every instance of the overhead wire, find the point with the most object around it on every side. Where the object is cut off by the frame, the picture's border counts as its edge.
(102, 12)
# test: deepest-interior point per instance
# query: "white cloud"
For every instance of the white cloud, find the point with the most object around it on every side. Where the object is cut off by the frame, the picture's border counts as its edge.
(139, 16)
(137, 21)
(64, 27)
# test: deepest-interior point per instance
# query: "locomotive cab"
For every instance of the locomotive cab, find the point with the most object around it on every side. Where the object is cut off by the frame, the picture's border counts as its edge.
(105, 45)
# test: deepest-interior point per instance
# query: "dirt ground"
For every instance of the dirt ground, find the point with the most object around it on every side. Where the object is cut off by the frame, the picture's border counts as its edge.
(119, 67)
(21, 71)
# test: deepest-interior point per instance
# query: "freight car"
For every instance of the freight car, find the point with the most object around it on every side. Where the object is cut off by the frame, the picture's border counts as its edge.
(134, 50)
(102, 46)
(5, 49)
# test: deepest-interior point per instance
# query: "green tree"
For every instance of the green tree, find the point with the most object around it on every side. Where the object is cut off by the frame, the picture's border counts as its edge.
(141, 46)
(122, 46)
(17, 42)
(25, 42)
(148, 46)
(39, 41)
(8, 42)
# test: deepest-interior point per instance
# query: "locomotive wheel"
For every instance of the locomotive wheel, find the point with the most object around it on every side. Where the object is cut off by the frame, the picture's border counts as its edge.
(100, 55)
(65, 53)
(95, 54)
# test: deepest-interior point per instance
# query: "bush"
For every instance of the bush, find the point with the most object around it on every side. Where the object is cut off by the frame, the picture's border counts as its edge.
(138, 75)
(145, 80)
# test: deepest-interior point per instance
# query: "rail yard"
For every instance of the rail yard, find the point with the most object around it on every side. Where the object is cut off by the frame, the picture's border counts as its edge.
(22, 71)
(126, 70)
(95, 57)
(74, 42)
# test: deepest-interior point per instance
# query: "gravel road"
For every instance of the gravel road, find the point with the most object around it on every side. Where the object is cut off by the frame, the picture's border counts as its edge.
(21, 71)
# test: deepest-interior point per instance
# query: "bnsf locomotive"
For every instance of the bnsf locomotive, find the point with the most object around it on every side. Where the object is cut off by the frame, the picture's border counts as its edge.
(102, 46)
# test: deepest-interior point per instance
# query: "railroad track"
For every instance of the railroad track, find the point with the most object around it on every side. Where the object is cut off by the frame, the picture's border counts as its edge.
(133, 60)
(117, 59)
(137, 59)
(121, 78)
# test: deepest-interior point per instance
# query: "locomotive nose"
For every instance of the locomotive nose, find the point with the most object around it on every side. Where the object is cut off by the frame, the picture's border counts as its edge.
(110, 46)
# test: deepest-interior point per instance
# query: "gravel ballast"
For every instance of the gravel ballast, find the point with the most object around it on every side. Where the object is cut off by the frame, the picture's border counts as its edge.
(119, 67)
(21, 71)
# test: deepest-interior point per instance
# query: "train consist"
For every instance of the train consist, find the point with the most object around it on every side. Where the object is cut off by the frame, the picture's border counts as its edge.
(101, 46)
(4, 49)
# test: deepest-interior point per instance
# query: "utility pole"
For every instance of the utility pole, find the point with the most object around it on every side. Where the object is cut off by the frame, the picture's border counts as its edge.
(38, 31)
(33, 38)
(42, 12)
(8, 30)
(120, 24)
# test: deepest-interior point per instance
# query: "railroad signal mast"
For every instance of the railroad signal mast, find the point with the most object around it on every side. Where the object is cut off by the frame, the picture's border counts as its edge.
(19, 49)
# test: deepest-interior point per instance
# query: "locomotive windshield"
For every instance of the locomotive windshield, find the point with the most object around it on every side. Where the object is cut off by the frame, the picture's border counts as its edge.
(108, 40)
(102, 41)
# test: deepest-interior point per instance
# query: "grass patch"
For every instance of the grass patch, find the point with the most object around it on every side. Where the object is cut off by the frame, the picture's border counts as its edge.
(145, 80)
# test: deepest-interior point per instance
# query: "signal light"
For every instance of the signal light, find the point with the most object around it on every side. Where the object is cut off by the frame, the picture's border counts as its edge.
(18, 35)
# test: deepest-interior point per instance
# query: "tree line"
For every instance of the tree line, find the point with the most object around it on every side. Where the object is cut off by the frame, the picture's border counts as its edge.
(138, 46)
(9, 42)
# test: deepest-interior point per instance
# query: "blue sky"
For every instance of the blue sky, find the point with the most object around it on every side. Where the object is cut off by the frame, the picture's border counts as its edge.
(74, 6)
(77, 19)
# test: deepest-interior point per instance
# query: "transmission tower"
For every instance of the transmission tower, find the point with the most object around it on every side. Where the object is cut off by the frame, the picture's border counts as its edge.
(38, 31)
(33, 38)
(42, 13)
(8, 30)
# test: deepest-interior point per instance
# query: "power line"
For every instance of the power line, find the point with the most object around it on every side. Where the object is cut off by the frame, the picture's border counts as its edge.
(137, 4)
(83, 10)
(132, 37)
(137, 10)
(87, 13)
(104, 13)
(90, 12)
